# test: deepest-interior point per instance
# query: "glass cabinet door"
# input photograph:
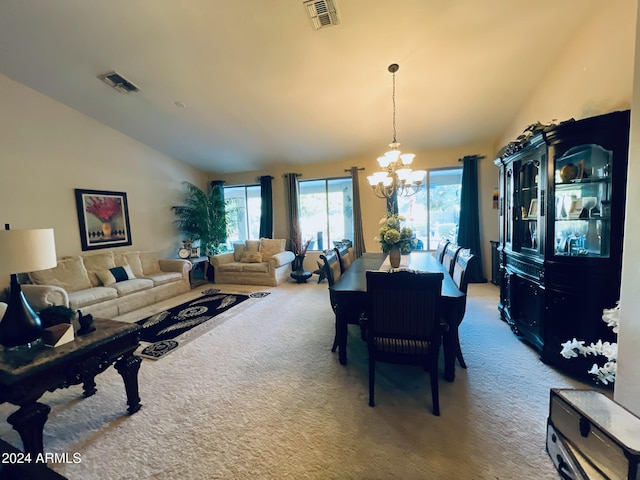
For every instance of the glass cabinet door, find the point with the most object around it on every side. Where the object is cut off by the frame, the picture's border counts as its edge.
(527, 207)
(582, 216)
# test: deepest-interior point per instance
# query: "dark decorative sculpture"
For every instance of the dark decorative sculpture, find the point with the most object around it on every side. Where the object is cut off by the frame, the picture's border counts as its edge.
(86, 323)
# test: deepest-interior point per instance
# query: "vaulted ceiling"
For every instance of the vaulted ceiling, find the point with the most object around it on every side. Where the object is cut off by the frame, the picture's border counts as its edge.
(240, 85)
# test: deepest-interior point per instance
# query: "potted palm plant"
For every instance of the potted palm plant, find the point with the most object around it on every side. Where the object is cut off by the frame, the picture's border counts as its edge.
(203, 218)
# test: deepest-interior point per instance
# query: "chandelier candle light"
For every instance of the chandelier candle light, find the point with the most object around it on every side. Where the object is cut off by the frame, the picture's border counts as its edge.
(396, 177)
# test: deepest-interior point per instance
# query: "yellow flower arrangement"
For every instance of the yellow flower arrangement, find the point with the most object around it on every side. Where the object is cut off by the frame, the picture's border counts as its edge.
(391, 234)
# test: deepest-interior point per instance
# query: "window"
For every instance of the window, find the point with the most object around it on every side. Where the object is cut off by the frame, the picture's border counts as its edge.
(433, 213)
(245, 207)
(326, 211)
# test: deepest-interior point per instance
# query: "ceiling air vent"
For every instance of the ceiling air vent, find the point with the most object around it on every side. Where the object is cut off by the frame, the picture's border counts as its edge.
(117, 81)
(322, 13)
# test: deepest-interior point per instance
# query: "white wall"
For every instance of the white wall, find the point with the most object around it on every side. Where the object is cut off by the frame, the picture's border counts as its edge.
(47, 150)
(627, 388)
(592, 76)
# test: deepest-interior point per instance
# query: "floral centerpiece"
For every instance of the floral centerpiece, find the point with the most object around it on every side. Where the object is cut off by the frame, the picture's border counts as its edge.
(607, 372)
(391, 234)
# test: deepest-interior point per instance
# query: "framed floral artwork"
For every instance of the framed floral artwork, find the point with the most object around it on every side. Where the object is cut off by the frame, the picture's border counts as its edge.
(103, 218)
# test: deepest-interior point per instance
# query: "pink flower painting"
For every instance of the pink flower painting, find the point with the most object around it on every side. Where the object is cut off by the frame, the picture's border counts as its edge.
(103, 208)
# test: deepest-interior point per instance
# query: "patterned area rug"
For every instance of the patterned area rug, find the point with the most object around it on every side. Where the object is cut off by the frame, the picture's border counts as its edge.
(165, 331)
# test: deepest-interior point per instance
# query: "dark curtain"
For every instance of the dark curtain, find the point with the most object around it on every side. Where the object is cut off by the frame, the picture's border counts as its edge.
(358, 234)
(293, 205)
(266, 212)
(469, 225)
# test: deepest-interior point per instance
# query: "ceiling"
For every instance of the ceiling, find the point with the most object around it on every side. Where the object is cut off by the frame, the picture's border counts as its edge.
(260, 87)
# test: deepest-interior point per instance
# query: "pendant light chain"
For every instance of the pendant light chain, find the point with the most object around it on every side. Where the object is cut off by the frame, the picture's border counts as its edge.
(396, 177)
(393, 99)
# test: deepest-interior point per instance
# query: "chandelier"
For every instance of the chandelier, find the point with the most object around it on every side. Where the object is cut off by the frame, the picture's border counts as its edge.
(396, 175)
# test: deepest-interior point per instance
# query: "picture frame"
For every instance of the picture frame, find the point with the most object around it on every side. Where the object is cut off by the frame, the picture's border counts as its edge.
(533, 208)
(195, 252)
(103, 219)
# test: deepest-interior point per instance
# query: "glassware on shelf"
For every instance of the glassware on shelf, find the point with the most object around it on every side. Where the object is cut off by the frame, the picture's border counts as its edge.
(533, 230)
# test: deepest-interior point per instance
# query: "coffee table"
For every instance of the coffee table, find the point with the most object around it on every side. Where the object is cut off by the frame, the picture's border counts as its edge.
(25, 375)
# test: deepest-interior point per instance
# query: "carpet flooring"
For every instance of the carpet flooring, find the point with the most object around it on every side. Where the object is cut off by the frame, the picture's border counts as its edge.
(262, 397)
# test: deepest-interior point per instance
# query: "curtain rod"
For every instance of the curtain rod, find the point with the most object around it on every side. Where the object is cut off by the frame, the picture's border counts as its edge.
(472, 157)
(349, 169)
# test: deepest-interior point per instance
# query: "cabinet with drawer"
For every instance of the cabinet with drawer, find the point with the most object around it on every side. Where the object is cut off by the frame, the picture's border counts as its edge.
(590, 436)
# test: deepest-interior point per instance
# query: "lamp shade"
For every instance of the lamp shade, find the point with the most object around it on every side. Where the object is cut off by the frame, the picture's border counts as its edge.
(24, 251)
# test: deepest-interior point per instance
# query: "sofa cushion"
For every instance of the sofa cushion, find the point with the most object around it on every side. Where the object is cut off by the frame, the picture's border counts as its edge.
(255, 267)
(132, 259)
(97, 262)
(164, 277)
(115, 274)
(90, 296)
(130, 286)
(270, 246)
(252, 245)
(238, 250)
(70, 274)
(251, 257)
(150, 263)
(231, 267)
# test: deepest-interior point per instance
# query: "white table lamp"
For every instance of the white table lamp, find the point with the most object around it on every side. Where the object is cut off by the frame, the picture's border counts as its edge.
(23, 251)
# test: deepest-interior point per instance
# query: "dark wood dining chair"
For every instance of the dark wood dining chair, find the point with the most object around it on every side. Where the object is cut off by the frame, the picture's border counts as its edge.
(333, 274)
(403, 323)
(440, 249)
(345, 260)
(449, 258)
(460, 278)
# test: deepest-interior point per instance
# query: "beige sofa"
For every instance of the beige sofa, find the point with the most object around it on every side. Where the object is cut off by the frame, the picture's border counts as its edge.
(92, 283)
(254, 262)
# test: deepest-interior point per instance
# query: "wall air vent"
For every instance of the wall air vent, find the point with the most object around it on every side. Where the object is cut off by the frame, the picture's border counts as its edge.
(117, 81)
(322, 13)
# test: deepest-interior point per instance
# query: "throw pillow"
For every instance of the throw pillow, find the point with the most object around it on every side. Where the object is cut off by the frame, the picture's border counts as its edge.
(96, 262)
(70, 274)
(251, 257)
(252, 245)
(238, 250)
(150, 263)
(115, 275)
(270, 246)
(132, 259)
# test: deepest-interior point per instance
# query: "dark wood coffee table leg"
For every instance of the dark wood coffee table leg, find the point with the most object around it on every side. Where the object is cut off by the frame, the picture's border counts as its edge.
(89, 387)
(128, 368)
(29, 422)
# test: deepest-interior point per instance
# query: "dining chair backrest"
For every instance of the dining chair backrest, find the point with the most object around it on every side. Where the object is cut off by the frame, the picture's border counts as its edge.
(404, 304)
(331, 266)
(403, 323)
(460, 269)
(342, 250)
(440, 249)
(449, 258)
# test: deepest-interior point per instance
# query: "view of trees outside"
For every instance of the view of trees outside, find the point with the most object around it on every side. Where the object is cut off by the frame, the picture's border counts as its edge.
(437, 215)
(326, 211)
(245, 220)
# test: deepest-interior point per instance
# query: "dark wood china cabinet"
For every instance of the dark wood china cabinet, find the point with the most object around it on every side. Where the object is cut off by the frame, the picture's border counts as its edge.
(561, 207)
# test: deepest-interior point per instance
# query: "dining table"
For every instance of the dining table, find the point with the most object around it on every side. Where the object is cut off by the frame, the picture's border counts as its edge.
(349, 295)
